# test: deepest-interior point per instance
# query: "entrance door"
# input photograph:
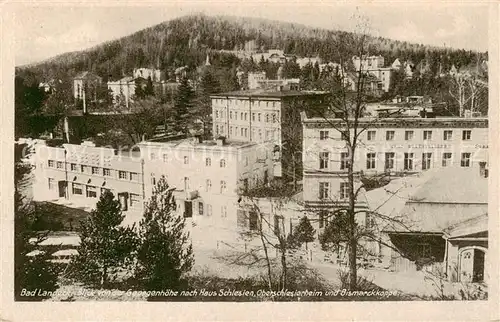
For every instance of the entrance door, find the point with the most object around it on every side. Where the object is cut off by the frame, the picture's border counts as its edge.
(466, 265)
(478, 267)
(62, 189)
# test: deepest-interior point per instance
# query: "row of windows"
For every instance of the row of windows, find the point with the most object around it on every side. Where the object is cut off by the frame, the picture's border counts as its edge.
(371, 160)
(106, 172)
(206, 210)
(325, 191)
(409, 135)
(243, 116)
(243, 103)
(208, 185)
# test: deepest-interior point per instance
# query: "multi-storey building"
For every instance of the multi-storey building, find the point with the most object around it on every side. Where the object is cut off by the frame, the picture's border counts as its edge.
(155, 74)
(394, 146)
(366, 63)
(263, 116)
(85, 86)
(76, 175)
(207, 177)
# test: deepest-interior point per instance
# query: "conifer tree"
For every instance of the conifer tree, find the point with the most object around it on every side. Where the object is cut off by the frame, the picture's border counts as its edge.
(149, 90)
(183, 104)
(165, 253)
(106, 247)
(304, 232)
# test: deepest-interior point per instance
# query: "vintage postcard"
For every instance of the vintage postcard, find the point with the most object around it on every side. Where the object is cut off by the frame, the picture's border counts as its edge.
(341, 156)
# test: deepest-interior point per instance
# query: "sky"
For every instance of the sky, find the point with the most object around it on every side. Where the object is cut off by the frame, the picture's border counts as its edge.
(45, 30)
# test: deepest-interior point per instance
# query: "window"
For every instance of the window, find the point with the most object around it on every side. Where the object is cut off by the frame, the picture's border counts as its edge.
(95, 170)
(246, 116)
(323, 135)
(51, 163)
(324, 190)
(323, 160)
(122, 174)
(465, 160)
(200, 208)
(73, 167)
(222, 129)
(82, 168)
(186, 183)
(91, 192)
(222, 186)
(242, 130)
(165, 158)
(208, 162)
(231, 130)
(466, 134)
(370, 135)
(426, 160)
(222, 163)
(446, 159)
(278, 223)
(223, 211)
(389, 135)
(260, 134)
(370, 221)
(60, 165)
(370, 161)
(447, 135)
(134, 199)
(344, 190)
(253, 221)
(274, 118)
(253, 117)
(216, 114)
(344, 160)
(77, 189)
(427, 135)
(106, 172)
(209, 210)
(389, 160)
(217, 129)
(186, 159)
(236, 131)
(152, 156)
(153, 180)
(259, 117)
(408, 135)
(52, 183)
(425, 250)
(208, 185)
(246, 161)
(408, 161)
(134, 176)
(267, 118)
(246, 132)
(231, 115)
(236, 115)
(241, 116)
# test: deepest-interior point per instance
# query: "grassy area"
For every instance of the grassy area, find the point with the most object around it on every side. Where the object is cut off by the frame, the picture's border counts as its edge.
(58, 217)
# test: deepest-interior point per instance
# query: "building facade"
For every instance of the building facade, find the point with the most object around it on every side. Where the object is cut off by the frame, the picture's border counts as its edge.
(125, 87)
(392, 146)
(85, 86)
(207, 177)
(77, 175)
(155, 74)
(368, 62)
(263, 116)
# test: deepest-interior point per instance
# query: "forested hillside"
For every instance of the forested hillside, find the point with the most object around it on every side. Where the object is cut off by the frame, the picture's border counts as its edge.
(186, 40)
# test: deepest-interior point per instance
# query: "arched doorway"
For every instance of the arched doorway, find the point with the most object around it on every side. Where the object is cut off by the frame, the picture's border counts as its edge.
(471, 265)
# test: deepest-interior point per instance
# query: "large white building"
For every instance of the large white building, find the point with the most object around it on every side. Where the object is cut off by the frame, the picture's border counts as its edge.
(394, 146)
(155, 74)
(208, 177)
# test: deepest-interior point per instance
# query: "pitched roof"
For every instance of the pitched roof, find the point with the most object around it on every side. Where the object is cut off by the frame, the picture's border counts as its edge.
(470, 226)
(86, 74)
(430, 201)
(266, 93)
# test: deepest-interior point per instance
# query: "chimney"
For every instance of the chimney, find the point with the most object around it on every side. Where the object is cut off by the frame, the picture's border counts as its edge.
(483, 170)
(221, 141)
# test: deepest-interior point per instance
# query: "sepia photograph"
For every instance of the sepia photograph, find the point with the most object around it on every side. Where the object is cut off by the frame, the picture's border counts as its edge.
(251, 153)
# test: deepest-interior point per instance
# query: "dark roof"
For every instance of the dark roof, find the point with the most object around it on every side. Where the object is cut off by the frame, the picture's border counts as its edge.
(267, 93)
(87, 74)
